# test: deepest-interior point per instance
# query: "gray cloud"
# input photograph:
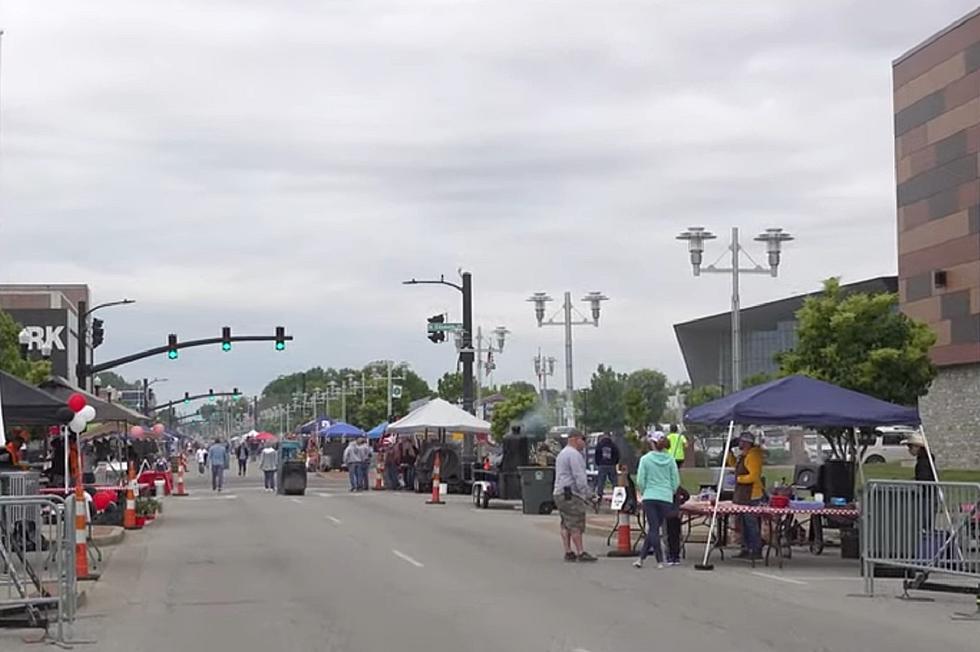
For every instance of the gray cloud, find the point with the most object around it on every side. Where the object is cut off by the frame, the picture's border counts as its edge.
(256, 164)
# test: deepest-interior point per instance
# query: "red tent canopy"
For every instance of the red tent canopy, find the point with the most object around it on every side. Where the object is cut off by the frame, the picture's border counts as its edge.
(266, 436)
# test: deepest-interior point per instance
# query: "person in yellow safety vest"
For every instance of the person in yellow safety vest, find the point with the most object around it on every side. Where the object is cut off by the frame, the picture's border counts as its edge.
(677, 445)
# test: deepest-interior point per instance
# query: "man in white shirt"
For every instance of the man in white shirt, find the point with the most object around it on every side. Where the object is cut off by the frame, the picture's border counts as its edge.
(571, 496)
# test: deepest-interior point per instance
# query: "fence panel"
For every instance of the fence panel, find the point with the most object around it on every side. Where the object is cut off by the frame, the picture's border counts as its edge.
(930, 527)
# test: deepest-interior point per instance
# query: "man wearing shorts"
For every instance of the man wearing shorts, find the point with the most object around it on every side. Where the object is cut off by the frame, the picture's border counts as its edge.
(571, 495)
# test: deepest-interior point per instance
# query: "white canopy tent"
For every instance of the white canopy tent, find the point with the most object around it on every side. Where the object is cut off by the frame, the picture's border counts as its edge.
(439, 414)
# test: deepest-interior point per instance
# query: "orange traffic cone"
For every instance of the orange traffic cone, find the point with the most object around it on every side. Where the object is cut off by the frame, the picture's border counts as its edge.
(436, 483)
(624, 534)
(129, 516)
(181, 467)
(81, 529)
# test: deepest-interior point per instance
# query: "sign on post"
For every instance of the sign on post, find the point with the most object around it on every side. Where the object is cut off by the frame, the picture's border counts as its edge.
(446, 327)
(618, 498)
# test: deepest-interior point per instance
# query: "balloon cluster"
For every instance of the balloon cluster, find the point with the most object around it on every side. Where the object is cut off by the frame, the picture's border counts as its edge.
(83, 413)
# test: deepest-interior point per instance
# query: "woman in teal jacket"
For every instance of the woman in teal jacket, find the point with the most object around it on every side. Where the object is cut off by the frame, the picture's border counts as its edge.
(657, 479)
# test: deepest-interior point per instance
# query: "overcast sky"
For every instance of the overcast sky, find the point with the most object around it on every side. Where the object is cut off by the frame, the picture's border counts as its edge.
(260, 163)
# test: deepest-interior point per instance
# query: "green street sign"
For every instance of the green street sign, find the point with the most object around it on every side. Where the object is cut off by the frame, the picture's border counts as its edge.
(444, 327)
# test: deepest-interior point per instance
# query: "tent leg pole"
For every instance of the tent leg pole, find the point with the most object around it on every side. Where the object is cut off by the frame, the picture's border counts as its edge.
(704, 565)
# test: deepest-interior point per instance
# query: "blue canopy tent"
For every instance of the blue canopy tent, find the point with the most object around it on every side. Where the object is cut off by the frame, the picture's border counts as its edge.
(794, 401)
(341, 429)
(316, 425)
(378, 431)
(801, 401)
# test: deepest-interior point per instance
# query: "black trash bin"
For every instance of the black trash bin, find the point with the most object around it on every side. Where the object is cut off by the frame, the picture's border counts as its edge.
(292, 477)
(537, 485)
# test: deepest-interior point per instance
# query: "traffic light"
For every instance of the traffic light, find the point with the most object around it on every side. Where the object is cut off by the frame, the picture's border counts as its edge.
(187, 398)
(226, 338)
(211, 396)
(234, 393)
(280, 338)
(437, 336)
(172, 346)
(98, 332)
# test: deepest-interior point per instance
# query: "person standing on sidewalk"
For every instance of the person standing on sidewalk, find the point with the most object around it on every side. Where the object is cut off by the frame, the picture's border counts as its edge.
(657, 479)
(242, 454)
(678, 445)
(218, 459)
(606, 459)
(749, 491)
(364, 462)
(571, 495)
(269, 463)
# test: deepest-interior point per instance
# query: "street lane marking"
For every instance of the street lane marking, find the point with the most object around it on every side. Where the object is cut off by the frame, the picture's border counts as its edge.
(194, 498)
(297, 501)
(401, 555)
(777, 578)
(333, 519)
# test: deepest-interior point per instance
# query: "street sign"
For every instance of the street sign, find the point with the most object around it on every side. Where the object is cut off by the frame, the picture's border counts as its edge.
(396, 391)
(445, 327)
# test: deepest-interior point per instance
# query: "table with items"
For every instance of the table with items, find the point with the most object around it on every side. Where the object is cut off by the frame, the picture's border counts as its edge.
(784, 525)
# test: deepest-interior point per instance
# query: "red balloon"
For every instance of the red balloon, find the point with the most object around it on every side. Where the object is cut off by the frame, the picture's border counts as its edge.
(76, 402)
(136, 431)
(158, 429)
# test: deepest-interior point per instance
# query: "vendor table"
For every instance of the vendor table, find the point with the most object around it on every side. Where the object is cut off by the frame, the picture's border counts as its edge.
(60, 491)
(781, 523)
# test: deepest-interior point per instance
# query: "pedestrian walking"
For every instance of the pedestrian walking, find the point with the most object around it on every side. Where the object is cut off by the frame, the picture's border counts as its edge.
(353, 466)
(677, 445)
(201, 454)
(364, 461)
(218, 459)
(242, 454)
(571, 495)
(606, 459)
(657, 480)
(269, 463)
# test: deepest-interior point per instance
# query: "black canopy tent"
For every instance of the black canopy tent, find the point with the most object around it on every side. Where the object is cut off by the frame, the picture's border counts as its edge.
(104, 410)
(796, 401)
(26, 405)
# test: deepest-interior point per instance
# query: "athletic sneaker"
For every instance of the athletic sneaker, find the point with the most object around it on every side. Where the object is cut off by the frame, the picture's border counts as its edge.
(571, 556)
(587, 557)
(674, 562)
(638, 563)
(660, 566)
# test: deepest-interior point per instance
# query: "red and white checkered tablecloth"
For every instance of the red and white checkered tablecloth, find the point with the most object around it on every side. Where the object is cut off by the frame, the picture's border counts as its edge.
(727, 507)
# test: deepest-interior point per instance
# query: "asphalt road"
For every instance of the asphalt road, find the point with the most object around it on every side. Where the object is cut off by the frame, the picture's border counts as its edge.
(247, 571)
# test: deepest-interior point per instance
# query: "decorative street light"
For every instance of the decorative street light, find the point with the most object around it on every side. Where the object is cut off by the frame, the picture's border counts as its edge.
(696, 236)
(544, 367)
(485, 366)
(594, 299)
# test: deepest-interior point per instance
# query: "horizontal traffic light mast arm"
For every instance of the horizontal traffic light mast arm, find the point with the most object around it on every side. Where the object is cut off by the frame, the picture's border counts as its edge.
(441, 281)
(170, 404)
(157, 350)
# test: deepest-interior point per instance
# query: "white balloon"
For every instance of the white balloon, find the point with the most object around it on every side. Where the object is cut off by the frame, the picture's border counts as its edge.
(87, 413)
(77, 424)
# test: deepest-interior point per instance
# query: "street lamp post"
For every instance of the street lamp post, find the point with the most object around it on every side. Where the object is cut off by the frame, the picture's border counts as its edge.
(544, 367)
(81, 369)
(486, 366)
(774, 238)
(390, 366)
(594, 299)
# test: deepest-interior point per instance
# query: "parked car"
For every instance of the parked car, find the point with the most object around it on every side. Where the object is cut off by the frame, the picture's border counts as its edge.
(887, 445)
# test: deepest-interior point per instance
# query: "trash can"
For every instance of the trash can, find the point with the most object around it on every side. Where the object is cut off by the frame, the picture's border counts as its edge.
(537, 484)
(292, 477)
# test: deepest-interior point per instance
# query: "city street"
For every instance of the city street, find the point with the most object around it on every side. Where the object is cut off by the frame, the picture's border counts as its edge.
(245, 570)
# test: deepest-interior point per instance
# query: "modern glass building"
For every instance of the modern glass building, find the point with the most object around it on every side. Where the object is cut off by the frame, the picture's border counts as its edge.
(767, 329)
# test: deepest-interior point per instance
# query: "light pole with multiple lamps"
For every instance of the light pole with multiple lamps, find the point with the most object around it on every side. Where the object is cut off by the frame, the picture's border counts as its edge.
(485, 366)
(544, 366)
(774, 238)
(594, 299)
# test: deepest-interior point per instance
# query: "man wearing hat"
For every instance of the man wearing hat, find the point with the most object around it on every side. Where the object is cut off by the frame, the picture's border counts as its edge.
(571, 496)
(749, 491)
(923, 464)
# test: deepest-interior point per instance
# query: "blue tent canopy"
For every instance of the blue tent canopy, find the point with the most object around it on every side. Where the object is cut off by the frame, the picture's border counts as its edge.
(315, 425)
(802, 401)
(378, 431)
(341, 429)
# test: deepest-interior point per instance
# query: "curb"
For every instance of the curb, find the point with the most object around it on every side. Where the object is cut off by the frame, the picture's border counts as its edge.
(114, 537)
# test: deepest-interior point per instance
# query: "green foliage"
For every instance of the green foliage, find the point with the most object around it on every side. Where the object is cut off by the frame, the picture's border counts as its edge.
(450, 387)
(645, 398)
(603, 405)
(510, 409)
(861, 342)
(517, 388)
(757, 379)
(703, 394)
(10, 358)
(114, 380)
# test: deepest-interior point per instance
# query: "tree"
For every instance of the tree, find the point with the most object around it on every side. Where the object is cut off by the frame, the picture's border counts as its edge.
(603, 407)
(756, 379)
(645, 398)
(450, 387)
(862, 342)
(11, 361)
(518, 387)
(114, 380)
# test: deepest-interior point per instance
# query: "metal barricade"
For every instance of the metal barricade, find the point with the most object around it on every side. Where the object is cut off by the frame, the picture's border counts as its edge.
(37, 562)
(924, 527)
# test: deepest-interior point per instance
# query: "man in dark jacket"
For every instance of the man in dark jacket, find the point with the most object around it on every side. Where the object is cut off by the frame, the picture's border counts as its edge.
(606, 459)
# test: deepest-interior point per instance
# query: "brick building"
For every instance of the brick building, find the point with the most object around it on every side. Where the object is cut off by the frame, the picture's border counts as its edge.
(937, 140)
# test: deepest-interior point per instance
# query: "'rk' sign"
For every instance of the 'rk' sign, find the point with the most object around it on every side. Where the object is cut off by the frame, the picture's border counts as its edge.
(45, 337)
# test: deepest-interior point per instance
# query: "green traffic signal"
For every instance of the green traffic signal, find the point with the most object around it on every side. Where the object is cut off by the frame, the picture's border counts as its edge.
(226, 346)
(172, 354)
(280, 346)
